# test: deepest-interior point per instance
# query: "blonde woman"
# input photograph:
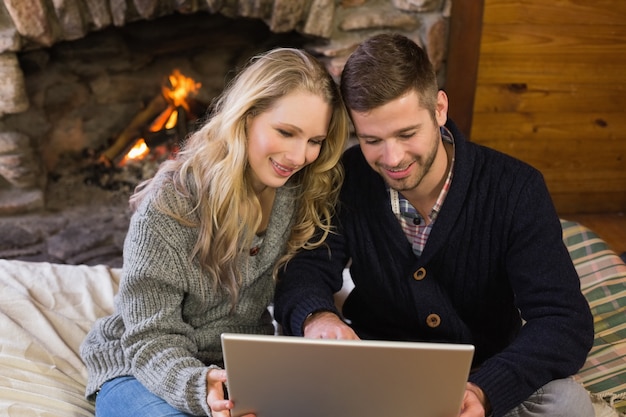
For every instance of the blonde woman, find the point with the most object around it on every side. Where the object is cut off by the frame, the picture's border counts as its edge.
(209, 233)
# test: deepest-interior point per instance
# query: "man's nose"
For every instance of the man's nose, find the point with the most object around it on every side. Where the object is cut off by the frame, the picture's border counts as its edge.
(392, 153)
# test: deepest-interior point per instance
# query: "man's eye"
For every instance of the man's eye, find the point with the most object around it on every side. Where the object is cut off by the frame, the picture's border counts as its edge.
(369, 141)
(406, 135)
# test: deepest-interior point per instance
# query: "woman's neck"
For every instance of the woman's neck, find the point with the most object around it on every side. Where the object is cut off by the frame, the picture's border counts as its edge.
(266, 200)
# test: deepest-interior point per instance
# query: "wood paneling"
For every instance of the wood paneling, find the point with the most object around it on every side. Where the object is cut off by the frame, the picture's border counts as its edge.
(524, 39)
(550, 90)
(541, 96)
(587, 12)
(560, 68)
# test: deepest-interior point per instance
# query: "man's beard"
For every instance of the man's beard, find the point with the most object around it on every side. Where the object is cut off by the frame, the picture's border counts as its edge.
(413, 181)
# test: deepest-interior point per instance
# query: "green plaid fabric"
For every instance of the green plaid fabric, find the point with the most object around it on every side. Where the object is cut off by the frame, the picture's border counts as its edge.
(603, 281)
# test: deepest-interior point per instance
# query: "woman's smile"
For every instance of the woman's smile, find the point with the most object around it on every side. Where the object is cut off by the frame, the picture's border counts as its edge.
(282, 170)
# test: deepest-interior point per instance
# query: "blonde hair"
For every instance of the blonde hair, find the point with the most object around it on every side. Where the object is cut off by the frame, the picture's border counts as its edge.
(211, 168)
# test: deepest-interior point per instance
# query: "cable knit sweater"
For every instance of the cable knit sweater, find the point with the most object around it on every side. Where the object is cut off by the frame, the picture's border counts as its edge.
(495, 256)
(166, 327)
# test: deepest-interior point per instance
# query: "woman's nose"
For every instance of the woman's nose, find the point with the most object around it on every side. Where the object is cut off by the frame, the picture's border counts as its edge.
(296, 154)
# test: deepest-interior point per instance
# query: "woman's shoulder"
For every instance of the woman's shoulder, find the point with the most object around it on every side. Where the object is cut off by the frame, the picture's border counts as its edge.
(165, 211)
(166, 195)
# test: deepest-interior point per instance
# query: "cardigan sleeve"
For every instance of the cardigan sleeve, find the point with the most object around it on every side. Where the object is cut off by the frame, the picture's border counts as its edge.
(308, 282)
(558, 331)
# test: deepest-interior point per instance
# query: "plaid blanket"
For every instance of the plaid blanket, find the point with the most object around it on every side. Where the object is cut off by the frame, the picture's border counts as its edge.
(603, 281)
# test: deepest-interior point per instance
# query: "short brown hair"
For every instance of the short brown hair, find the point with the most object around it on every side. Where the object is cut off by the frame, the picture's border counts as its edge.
(385, 67)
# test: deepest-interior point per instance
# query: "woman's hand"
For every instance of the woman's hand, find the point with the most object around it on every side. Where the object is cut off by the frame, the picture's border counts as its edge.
(220, 407)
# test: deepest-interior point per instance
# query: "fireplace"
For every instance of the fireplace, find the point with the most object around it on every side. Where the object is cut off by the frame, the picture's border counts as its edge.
(80, 71)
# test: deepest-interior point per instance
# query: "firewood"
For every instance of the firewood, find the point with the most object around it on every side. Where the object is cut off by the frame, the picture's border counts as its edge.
(134, 129)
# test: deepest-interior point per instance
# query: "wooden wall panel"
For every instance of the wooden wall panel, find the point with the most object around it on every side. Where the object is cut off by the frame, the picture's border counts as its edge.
(586, 12)
(552, 68)
(551, 90)
(541, 96)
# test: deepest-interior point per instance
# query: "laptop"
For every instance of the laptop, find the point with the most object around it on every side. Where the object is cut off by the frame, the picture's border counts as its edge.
(285, 376)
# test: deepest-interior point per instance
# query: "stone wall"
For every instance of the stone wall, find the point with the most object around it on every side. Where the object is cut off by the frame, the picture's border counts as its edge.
(30, 29)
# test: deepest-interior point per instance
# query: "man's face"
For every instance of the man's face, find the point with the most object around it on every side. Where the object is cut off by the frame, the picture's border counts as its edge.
(402, 143)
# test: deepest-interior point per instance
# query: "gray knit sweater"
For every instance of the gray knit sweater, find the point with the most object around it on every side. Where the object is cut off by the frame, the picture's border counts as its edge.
(166, 327)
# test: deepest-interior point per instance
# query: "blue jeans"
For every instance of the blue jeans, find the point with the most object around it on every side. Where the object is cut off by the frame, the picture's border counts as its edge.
(125, 396)
(559, 398)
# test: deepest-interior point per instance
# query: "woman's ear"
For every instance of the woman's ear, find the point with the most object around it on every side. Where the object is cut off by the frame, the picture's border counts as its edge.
(246, 123)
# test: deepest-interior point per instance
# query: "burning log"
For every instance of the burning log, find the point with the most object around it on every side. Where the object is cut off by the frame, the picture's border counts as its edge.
(134, 130)
(166, 115)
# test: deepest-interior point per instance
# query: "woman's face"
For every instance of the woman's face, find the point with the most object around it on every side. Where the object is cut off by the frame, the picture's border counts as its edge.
(286, 138)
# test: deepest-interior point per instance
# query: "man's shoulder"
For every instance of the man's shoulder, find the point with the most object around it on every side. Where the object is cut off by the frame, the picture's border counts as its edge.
(499, 160)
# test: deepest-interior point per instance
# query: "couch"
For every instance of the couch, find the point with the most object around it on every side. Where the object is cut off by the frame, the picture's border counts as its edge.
(46, 310)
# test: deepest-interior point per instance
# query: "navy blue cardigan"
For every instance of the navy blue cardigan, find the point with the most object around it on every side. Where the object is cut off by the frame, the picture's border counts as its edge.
(495, 256)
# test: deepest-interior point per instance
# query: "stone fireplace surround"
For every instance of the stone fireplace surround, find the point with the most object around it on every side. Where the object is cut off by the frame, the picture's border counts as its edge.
(76, 71)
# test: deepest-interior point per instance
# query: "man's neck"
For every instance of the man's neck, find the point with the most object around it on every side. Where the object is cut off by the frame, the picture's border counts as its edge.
(424, 196)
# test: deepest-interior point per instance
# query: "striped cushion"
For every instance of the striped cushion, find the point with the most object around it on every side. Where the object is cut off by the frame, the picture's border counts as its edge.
(603, 281)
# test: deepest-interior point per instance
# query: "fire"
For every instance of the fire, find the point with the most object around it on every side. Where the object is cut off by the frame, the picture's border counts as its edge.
(166, 120)
(137, 152)
(181, 88)
(176, 93)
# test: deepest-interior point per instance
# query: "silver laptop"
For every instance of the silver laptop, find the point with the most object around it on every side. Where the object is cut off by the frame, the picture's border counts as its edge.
(283, 376)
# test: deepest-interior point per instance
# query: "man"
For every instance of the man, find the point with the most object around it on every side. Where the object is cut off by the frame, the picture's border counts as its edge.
(448, 241)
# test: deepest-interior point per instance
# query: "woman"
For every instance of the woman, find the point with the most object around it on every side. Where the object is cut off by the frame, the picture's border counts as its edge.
(209, 233)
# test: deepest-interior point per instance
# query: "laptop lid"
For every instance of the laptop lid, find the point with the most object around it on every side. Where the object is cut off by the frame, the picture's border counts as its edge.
(284, 376)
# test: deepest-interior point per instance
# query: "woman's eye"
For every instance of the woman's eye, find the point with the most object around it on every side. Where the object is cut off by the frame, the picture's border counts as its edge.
(317, 141)
(284, 133)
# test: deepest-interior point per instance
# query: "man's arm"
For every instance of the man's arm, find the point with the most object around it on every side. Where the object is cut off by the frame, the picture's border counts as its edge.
(558, 330)
(307, 283)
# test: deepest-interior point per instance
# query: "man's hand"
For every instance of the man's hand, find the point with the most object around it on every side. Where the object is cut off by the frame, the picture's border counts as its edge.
(327, 325)
(220, 407)
(475, 402)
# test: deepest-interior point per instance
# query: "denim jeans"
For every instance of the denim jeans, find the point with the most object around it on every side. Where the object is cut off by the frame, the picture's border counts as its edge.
(559, 398)
(125, 396)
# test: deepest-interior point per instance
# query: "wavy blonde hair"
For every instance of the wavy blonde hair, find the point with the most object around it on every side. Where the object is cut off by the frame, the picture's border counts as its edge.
(211, 170)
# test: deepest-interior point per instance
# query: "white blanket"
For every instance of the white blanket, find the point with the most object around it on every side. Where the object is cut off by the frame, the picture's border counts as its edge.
(45, 312)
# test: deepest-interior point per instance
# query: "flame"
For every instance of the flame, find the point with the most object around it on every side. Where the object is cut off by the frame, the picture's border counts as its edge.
(180, 87)
(176, 93)
(137, 152)
(166, 120)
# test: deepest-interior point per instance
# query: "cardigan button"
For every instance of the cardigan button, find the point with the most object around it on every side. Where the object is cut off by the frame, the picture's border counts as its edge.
(420, 274)
(433, 320)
